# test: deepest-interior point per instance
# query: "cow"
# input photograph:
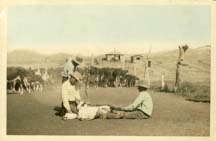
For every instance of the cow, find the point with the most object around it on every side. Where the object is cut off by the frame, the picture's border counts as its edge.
(119, 74)
(130, 80)
(90, 77)
(20, 79)
(26, 84)
(35, 79)
(17, 79)
(15, 85)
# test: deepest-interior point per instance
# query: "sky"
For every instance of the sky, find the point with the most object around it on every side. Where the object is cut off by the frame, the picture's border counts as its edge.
(88, 29)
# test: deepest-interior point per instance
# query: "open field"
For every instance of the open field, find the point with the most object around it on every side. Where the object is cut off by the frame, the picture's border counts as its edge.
(34, 114)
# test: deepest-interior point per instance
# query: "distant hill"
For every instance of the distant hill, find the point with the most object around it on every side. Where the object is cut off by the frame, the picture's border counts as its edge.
(197, 69)
(29, 58)
(22, 57)
(197, 60)
(57, 59)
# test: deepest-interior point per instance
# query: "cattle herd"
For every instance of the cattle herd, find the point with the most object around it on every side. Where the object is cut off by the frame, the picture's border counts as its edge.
(20, 80)
(107, 77)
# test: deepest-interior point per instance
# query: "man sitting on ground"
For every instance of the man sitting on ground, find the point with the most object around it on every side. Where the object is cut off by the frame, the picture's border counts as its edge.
(141, 108)
(70, 94)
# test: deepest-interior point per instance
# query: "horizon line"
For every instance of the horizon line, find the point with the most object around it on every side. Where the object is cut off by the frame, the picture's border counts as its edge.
(43, 52)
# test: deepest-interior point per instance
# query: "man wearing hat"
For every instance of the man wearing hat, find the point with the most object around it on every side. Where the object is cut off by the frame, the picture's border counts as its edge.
(141, 108)
(70, 94)
(70, 67)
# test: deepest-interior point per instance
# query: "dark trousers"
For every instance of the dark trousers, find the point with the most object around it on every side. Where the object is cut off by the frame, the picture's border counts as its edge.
(137, 114)
(73, 106)
(64, 79)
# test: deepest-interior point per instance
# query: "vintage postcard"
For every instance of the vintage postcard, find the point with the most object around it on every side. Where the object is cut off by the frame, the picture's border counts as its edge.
(107, 70)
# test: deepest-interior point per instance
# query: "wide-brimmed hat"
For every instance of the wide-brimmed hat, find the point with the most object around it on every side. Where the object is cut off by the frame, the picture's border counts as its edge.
(141, 83)
(76, 75)
(78, 60)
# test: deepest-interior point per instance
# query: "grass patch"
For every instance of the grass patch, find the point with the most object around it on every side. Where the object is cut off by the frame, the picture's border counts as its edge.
(199, 92)
(195, 92)
(168, 88)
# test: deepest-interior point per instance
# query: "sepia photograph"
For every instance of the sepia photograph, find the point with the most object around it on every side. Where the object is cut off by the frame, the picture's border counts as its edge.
(108, 70)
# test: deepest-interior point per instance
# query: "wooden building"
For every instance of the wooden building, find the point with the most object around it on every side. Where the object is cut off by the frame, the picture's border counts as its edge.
(113, 56)
(137, 58)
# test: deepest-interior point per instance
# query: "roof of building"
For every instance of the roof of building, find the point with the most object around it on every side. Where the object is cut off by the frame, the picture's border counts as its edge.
(114, 52)
(137, 55)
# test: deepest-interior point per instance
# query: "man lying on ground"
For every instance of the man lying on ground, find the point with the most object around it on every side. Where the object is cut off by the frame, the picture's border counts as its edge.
(141, 108)
(88, 111)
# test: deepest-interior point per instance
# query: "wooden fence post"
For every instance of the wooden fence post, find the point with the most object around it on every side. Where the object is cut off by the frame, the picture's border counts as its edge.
(146, 74)
(162, 82)
(134, 67)
(182, 50)
(178, 79)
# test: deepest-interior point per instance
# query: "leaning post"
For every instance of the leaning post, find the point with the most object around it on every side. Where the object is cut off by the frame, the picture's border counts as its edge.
(182, 50)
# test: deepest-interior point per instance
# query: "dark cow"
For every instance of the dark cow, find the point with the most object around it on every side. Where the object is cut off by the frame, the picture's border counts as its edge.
(35, 79)
(130, 80)
(20, 79)
(89, 77)
(15, 85)
(17, 79)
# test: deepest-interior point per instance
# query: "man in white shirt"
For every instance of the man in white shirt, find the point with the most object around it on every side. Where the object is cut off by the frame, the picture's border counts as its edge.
(70, 94)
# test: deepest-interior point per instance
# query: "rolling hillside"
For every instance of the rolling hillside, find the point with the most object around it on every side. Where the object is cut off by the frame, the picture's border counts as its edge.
(197, 69)
(197, 60)
(24, 57)
(29, 58)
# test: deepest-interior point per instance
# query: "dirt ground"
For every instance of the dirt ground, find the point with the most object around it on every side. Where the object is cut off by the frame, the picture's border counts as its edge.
(34, 114)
